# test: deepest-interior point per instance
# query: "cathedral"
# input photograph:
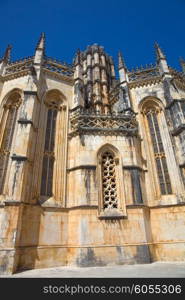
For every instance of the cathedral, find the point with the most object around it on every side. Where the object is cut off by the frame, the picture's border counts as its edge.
(92, 161)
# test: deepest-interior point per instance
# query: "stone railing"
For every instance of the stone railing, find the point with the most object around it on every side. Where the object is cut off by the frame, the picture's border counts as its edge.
(18, 66)
(58, 67)
(92, 122)
(143, 74)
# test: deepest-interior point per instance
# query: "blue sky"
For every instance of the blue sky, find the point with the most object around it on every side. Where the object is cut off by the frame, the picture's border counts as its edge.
(129, 26)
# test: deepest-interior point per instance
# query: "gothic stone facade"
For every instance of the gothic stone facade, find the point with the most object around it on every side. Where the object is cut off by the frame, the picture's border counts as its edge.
(92, 167)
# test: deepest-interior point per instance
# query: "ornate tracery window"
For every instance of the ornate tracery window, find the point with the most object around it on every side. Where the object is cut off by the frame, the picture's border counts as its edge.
(110, 182)
(109, 188)
(49, 154)
(158, 149)
(8, 123)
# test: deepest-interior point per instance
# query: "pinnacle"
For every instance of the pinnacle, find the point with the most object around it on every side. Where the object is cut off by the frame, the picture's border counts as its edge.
(7, 53)
(159, 52)
(77, 60)
(41, 42)
(121, 63)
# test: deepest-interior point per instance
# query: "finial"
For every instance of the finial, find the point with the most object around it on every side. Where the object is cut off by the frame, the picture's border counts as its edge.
(41, 42)
(159, 53)
(7, 53)
(121, 63)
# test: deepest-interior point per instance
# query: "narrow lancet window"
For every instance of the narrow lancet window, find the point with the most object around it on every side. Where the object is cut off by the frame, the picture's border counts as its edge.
(109, 188)
(159, 154)
(6, 143)
(49, 157)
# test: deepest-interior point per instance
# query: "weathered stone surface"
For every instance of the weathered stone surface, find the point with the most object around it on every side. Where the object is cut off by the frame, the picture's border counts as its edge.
(81, 181)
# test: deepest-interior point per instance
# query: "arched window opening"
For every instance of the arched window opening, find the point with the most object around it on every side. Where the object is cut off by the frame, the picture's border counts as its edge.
(9, 117)
(109, 187)
(159, 153)
(49, 156)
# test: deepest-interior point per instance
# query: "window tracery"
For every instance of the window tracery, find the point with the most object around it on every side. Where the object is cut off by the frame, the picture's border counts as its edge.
(110, 199)
(158, 149)
(111, 189)
(49, 155)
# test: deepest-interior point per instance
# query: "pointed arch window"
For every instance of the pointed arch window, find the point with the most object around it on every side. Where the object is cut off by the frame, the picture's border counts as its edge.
(109, 185)
(49, 156)
(8, 123)
(158, 149)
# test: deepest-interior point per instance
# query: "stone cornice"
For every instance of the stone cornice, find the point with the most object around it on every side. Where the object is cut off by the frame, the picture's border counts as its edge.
(16, 75)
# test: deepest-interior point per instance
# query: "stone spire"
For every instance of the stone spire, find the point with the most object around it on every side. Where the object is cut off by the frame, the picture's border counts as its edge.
(77, 60)
(39, 54)
(41, 42)
(164, 72)
(124, 103)
(7, 53)
(78, 66)
(122, 68)
(78, 78)
(159, 52)
(161, 60)
(121, 62)
(5, 59)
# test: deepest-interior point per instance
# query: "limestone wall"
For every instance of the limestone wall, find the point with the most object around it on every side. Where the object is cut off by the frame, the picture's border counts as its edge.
(168, 232)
